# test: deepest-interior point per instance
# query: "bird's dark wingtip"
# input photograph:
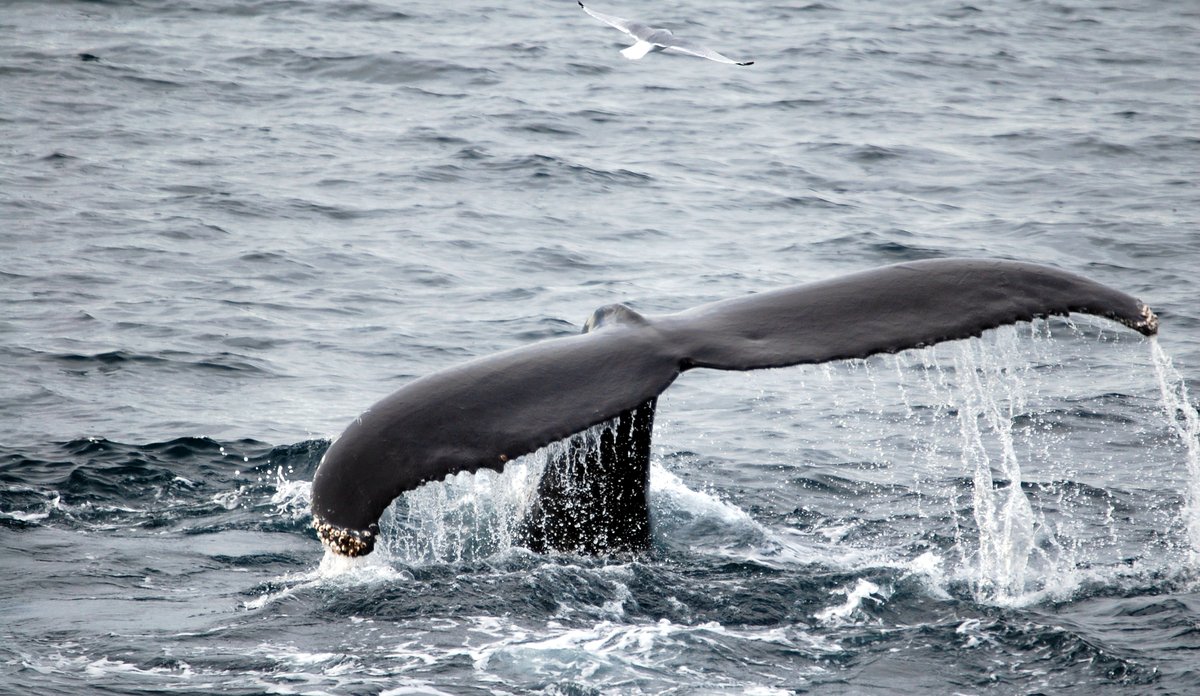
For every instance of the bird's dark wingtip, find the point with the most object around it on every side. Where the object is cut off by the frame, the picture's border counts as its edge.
(748, 62)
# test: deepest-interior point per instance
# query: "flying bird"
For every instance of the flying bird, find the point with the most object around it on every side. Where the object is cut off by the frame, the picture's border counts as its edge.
(653, 39)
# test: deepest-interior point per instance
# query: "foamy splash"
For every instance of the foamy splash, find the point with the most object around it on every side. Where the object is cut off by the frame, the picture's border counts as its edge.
(843, 613)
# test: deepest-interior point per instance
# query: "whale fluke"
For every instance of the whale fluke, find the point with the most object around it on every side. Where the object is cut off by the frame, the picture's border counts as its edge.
(887, 310)
(487, 412)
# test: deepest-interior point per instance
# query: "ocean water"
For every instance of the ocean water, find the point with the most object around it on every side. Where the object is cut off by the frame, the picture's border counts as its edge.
(226, 228)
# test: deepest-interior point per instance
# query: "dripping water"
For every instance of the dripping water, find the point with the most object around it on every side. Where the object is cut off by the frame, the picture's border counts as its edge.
(1033, 535)
(1001, 456)
(1185, 422)
(471, 516)
(991, 393)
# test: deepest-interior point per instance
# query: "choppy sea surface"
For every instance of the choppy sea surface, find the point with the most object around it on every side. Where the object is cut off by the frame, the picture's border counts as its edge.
(226, 228)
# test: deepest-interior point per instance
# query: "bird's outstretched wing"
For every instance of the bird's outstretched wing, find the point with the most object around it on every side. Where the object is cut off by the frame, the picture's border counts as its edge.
(693, 49)
(635, 29)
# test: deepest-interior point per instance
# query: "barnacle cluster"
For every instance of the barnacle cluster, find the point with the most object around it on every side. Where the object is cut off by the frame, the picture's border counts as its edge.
(346, 542)
(1148, 323)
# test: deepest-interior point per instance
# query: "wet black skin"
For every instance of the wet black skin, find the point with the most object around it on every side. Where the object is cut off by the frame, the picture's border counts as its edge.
(592, 498)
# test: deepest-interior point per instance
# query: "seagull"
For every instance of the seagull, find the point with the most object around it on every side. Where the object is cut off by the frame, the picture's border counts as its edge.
(652, 39)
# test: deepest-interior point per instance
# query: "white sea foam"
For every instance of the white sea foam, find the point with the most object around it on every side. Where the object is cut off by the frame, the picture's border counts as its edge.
(855, 596)
(51, 504)
(338, 570)
(292, 497)
(614, 652)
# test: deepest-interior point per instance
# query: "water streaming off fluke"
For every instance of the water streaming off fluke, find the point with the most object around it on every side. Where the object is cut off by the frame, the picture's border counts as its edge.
(1185, 422)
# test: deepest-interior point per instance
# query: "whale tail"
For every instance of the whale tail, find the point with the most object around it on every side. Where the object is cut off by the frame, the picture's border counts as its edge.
(487, 412)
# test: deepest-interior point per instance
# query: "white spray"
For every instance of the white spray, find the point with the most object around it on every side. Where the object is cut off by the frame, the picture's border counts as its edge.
(1185, 422)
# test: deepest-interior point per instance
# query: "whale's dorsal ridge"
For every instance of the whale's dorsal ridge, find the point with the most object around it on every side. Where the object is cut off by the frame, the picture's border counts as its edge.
(613, 314)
